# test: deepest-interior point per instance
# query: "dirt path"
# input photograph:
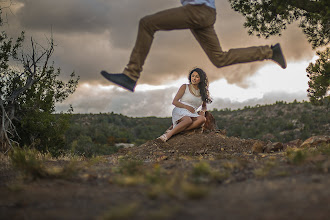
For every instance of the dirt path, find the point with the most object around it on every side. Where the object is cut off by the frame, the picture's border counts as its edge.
(201, 176)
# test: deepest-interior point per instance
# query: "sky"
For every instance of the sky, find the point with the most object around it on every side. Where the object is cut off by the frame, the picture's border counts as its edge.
(95, 35)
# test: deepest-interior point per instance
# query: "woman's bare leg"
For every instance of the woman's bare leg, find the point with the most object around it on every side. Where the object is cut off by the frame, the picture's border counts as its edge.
(183, 124)
(197, 122)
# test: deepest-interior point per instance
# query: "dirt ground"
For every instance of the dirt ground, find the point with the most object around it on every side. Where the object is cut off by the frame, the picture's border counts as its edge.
(192, 176)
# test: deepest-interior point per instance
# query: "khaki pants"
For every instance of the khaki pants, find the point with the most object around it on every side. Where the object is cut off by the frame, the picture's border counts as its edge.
(200, 20)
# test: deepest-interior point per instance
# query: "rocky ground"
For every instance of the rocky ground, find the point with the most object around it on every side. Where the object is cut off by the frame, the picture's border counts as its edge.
(193, 176)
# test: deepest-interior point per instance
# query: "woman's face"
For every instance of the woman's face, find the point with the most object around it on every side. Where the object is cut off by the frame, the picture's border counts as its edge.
(194, 78)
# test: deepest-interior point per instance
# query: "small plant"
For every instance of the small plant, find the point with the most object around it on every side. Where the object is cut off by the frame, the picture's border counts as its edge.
(155, 175)
(121, 212)
(128, 166)
(123, 180)
(297, 157)
(264, 171)
(27, 161)
(201, 172)
(324, 149)
(68, 171)
(193, 191)
(31, 163)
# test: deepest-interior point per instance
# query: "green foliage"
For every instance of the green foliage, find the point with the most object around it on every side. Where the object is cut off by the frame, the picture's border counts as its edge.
(278, 122)
(103, 131)
(269, 17)
(319, 75)
(29, 90)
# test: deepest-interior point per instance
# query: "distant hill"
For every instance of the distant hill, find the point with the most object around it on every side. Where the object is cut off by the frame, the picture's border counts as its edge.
(281, 122)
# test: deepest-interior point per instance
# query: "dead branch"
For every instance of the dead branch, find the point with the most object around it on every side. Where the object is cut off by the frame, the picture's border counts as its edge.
(31, 63)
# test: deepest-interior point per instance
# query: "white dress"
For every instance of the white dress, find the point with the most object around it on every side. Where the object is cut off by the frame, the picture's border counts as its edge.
(187, 99)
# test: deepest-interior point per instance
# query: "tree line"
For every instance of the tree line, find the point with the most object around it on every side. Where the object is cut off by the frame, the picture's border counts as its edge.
(283, 122)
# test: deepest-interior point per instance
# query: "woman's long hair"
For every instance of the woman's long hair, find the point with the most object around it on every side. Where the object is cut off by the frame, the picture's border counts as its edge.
(203, 85)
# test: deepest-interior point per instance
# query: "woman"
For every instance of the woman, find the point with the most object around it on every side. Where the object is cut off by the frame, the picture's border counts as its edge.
(188, 99)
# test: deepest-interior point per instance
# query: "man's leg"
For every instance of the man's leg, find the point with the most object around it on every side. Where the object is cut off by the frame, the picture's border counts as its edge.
(185, 17)
(208, 40)
(175, 18)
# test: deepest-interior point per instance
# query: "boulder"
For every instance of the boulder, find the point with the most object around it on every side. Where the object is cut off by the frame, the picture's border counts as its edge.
(273, 147)
(294, 143)
(315, 140)
(258, 147)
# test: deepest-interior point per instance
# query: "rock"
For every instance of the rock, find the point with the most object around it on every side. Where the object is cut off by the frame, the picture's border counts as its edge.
(210, 124)
(315, 140)
(258, 147)
(277, 146)
(273, 147)
(161, 158)
(268, 148)
(294, 143)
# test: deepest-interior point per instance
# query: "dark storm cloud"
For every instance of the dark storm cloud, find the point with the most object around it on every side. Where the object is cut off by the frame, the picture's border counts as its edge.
(120, 17)
(92, 35)
(97, 34)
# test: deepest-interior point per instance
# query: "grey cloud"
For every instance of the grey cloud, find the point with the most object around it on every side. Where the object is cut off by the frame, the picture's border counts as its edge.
(155, 102)
(268, 98)
(96, 34)
(149, 103)
(119, 17)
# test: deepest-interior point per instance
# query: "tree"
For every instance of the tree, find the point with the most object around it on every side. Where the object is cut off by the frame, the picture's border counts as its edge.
(270, 17)
(319, 75)
(29, 90)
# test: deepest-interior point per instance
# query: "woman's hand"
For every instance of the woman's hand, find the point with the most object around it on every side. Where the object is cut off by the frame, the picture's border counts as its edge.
(191, 109)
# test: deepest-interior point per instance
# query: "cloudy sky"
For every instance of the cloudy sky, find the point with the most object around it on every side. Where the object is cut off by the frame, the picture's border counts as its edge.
(95, 35)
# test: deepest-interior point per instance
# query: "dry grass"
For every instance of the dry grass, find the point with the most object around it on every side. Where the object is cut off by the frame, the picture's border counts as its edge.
(32, 164)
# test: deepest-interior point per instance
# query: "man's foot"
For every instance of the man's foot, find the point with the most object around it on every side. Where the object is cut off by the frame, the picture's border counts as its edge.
(278, 56)
(120, 79)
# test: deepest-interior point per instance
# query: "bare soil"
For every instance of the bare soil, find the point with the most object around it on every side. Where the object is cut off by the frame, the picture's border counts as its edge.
(192, 176)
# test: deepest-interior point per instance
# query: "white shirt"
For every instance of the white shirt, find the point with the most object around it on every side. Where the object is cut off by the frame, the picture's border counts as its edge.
(209, 3)
(190, 99)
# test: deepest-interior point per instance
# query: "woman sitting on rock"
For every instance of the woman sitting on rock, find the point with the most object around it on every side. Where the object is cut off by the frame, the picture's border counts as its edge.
(188, 99)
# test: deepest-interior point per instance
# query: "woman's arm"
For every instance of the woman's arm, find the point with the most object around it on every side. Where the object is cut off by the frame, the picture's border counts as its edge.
(178, 96)
(204, 109)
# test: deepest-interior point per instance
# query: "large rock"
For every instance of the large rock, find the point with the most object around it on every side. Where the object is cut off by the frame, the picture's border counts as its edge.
(262, 147)
(258, 147)
(316, 140)
(294, 143)
(273, 147)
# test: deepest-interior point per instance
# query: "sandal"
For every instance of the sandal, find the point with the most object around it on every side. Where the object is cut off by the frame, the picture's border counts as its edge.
(163, 138)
